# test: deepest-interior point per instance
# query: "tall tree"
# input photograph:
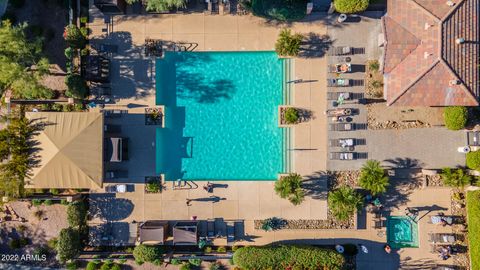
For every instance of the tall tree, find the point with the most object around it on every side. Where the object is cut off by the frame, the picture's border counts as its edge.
(290, 187)
(21, 63)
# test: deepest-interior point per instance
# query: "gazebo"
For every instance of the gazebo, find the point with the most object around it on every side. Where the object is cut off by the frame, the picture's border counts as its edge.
(153, 232)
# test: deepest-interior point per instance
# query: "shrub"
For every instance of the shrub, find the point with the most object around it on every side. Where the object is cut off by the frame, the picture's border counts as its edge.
(455, 178)
(373, 177)
(195, 262)
(77, 88)
(115, 267)
(72, 265)
(473, 212)
(83, 19)
(153, 186)
(175, 261)
(68, 245)
(77, 214)
(185, 266)
(54, 191)
(290, 187)
(350, 6)
(69, 52)
(41, 250)
(221, 249)
(39, 214)
(36, 202)
(207, 249)
(215, 266)
(14, 244)
(455, 117)
(344, 202)
(48, 202)
(288, 44)
(158, 262)
(164, 5)
(272, 224)
(105, 266)
(291, 115)
(91, 266)
(84, 52)
(234, 248)
(374, 65)
(74, 37)
(376, 84)
(84, 31)
(63, 202)
(52, 243)
(473, 160)
(143, 253)
(297, 257)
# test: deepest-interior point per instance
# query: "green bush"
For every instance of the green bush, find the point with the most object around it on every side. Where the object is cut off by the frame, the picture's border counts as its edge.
(14, 244)
(115, 267)
(215, 266)
(74, 37)
(84, 19)
(84, 52)
(281, 10)
(473, 160)
(153, 186)
(272, 224)
(195, 262)
(185, 266)
(288, 44)
(68, 245)
(290, 188)
(221, 249)
(41, 250)
(455, 178)
(48, 202)
(91, 266)
(143, 253)
(208, 249)
(54, 191)
(72, 266)
(373, 177)
(77, 88)
(175, 261)
(69, 52)
(350, 6)
(164, 5)
(52, 243)
(63, 202)
(291, 115)
(36, 202)
(374, 65)
(296, 257)
(455, 117)
(77, 214)
(473, 211)
(105, 266)
(234, 248)
(344, 202)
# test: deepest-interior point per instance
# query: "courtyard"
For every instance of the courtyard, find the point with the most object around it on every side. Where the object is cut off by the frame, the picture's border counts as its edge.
(133, 90)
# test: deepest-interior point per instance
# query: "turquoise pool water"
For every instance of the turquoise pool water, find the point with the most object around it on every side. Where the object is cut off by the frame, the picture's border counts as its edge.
(221, 116)
(402, 232)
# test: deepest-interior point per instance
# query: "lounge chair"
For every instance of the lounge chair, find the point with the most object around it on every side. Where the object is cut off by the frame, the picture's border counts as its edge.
(344, 143)
(230, 232)
(442, 238)
(343, 50)
(340, 82)
(343, 156)
(341, 127)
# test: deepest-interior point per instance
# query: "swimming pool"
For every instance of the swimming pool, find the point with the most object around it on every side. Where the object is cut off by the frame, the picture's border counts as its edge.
(220, 116)
(402, 232)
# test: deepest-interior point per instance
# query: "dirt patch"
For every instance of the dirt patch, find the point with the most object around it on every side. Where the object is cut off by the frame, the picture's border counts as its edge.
(381, 116)
(37, 231)
(374, 80)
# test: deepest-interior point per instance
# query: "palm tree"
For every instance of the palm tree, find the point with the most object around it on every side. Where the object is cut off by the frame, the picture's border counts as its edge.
(290, 187)
(344, 202)
(288, 44)
(455, 178)
(373, 178)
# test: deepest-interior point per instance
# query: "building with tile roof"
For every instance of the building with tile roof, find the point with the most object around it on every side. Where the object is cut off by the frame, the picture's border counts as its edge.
(432, 52)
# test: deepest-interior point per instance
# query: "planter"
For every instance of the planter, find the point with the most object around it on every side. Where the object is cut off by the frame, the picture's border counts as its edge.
(154, 116)
(153, 184)
(282, 122)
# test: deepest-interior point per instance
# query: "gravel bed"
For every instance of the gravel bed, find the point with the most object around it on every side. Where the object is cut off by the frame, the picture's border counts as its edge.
(459, 209)
(342, 178)
(312, 224)
(434, 180)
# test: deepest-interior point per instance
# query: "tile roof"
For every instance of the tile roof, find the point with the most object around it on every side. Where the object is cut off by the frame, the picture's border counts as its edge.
(422, 58)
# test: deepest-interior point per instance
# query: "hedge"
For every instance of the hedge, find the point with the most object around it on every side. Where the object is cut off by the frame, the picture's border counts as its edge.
(351, 6)
(287, 256)
(143, 253)
(473, 213)
(473, 160)
(455, 117)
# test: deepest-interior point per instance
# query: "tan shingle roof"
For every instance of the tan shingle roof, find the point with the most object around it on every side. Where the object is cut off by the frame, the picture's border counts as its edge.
(69, 150)
(421, 56)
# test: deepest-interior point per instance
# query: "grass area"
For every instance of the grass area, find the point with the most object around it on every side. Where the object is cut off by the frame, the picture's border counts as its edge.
(282, 10)
(473, 212)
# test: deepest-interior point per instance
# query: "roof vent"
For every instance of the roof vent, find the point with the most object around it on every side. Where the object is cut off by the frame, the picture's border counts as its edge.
(427, 25)
(450, 3)
(460, 40)
(454, 82)
(426, 55)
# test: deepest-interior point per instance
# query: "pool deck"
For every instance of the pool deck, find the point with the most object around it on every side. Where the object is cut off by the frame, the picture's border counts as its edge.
(133, 87)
